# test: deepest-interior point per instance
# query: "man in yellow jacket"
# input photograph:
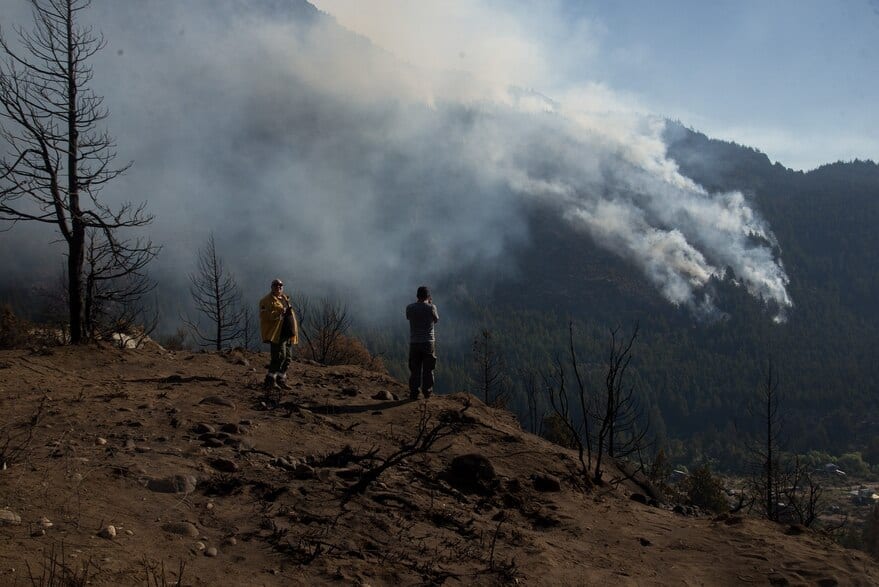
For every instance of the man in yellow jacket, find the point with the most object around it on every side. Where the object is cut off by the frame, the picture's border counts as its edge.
(280, 328)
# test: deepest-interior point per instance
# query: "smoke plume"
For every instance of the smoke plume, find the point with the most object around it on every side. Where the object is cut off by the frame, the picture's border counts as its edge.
(315, 155)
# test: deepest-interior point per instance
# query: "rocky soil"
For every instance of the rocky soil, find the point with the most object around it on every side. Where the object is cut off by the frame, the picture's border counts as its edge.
(126, 467)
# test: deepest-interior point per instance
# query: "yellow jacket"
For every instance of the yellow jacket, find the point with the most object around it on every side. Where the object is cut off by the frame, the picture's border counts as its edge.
(271, 318)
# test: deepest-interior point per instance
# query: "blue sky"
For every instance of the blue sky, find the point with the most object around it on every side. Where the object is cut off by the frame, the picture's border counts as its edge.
(796, 79)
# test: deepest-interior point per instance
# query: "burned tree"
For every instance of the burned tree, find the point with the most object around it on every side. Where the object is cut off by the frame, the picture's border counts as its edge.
(324, 325)
(489, 366)
(57, 156)
(781, 486)
(217, 298)
(116, 287)
(599, 424)
(619, 434)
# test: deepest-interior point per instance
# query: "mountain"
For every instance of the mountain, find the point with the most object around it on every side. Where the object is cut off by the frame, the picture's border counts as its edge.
(698, 378)
(127, 467)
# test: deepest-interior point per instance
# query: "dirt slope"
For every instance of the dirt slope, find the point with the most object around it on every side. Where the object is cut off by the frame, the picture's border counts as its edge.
(181, 455)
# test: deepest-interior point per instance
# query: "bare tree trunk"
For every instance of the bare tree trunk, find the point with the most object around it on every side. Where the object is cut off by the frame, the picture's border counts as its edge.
(49, 123)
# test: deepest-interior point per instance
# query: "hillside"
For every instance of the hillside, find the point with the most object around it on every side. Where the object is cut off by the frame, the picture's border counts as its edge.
(180, 453)
(696, 378)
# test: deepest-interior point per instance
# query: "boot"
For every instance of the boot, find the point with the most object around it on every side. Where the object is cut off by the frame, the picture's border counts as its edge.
(270, 383)
(282, 383)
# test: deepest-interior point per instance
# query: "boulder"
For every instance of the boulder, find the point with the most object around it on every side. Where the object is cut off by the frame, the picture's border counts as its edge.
(173, 484)
(546, 482)
(471, 473)
(181, 529)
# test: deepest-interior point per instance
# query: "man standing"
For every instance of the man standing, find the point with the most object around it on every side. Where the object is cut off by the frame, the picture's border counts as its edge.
(279, 328)
(422, 315)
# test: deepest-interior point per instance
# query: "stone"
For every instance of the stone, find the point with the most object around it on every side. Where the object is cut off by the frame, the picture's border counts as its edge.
(225, 465)
(284, 463)
(350, 391)
(211, 551)
(230, 428)
(303, 471)
(45, 523)
(181, 529)
(472, 473)
(9, 518)
(213, 443)
(383, 395)
(546, 482)
(639, 497)
(199, 546)
(108, 532)
(644, 542)
(216, 400)
(173, 484)
(202, 428)
(37, 533)
(230, 541)
(100, 441)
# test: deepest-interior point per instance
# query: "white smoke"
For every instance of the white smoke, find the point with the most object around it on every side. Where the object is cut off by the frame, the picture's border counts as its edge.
(314, 155)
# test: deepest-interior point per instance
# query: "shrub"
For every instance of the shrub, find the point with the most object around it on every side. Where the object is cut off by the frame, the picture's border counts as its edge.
(176, 341)
(345, 350)
(555, 430)
(13, 330)
(705, 491)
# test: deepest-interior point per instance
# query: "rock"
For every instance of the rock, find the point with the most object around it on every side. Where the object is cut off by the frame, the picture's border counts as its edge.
(230, 541)
(472, 473)
(37, 533)
(142, 449)
(546, 482)
(129, 533)
(108, 532)
(303, 471)
(100, 441)
(129, 444)
(213, 443)
(216, 400)
(384, 395)
(639, 497)
(350, 391)
(9, 518)
(45, 523)
(211, 552)
(199, 546)
(644, 542)
(202, 428)
(246, 422)
(173, 484)
(231, 428)
(181, 529)
(778, 579)
(225, 465)
(284, 464)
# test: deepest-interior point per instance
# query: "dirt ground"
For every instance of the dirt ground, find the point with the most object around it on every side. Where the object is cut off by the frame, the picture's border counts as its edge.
(200, 474)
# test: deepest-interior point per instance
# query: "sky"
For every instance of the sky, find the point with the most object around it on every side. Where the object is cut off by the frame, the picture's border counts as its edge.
(796, 79)
(411, 143)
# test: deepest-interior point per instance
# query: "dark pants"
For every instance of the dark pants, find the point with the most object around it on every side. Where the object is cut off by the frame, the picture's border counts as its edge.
(422, 362)
(282, 352)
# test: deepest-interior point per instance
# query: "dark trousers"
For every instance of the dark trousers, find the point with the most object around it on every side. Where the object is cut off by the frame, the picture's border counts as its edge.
(422, 362)
(282, 352)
